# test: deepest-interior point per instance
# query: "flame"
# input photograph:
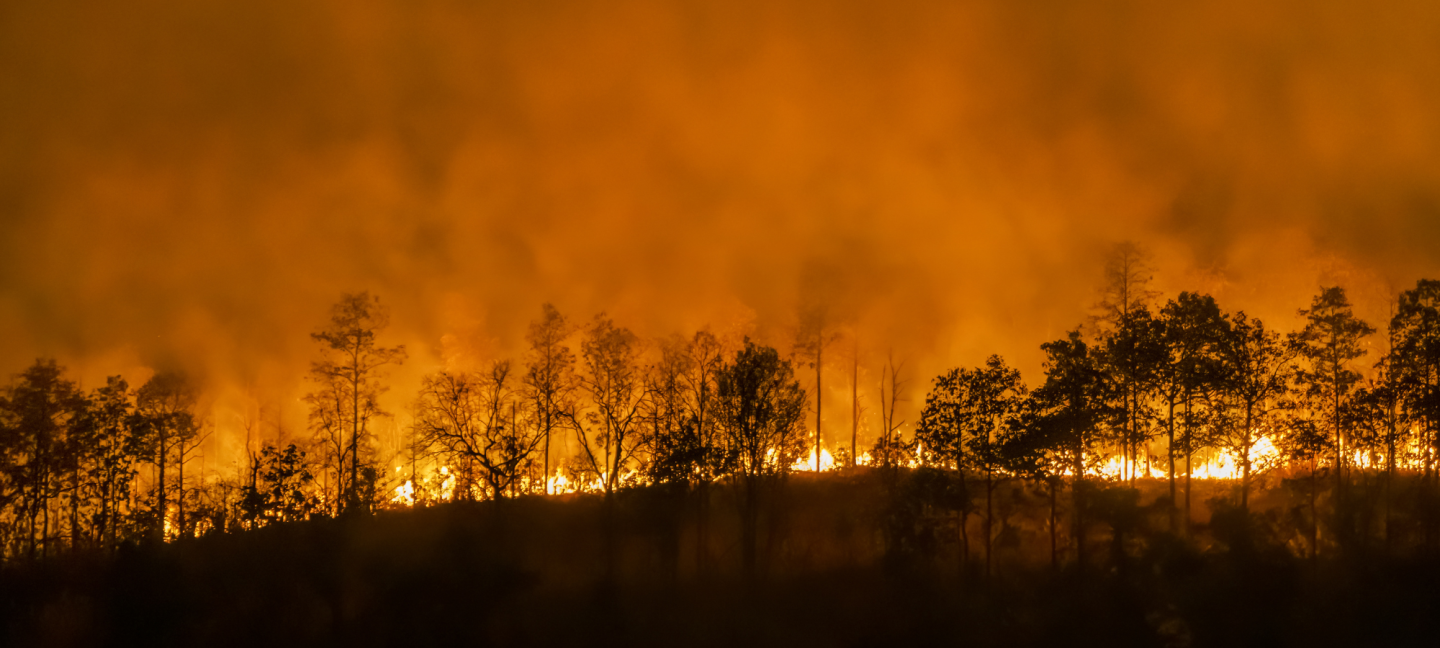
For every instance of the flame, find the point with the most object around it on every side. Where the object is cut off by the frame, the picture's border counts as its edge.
(807, 464)
(1219, 464)
(561, 484)
(404, 494)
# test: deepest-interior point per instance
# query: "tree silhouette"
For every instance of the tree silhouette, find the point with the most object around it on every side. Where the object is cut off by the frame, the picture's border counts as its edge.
(967, 416)
(1254, 380)
(1414, 368)
(1378, 423)
(759, 408)
(1129, 269)
(675, 452)
(1134, 353)
(1193, 331)
(811, 339)
(549, 378)
(1329, 343)
(470, 421)
(348, 379)
(38, 412)
(608, 432)
(1074, 404)
(165, 405)
(890, 450)
(1035, 450)
(705, 356)
(113, 447)
(282, 489)
(1304, 442)
(1131, 341)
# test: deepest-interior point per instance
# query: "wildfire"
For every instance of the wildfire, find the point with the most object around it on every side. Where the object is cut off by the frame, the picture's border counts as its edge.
(441, 482)
(807, 464)
(444, 490)
(1219, 464)
(560, 484)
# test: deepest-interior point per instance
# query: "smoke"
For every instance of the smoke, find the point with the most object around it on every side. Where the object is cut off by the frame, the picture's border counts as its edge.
(192, 184)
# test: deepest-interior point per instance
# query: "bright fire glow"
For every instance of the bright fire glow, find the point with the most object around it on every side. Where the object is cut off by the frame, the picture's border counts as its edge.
(1218, 464)
(827, 462)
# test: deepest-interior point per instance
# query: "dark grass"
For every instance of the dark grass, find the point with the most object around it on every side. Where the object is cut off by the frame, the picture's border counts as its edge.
(835, 572)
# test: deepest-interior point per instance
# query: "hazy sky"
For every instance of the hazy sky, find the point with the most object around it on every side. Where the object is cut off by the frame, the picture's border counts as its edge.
(191, 183)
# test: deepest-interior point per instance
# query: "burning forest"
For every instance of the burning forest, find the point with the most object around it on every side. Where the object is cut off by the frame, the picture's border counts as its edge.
(674, 322)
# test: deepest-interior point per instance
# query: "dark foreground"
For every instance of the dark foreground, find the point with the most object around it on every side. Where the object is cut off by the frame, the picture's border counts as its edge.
(536, 573)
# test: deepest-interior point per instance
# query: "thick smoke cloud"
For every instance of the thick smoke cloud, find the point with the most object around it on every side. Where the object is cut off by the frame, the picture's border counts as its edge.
(192, 184)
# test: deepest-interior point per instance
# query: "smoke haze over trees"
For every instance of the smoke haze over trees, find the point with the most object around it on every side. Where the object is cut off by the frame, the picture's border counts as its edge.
(186, 187)
(846, 199)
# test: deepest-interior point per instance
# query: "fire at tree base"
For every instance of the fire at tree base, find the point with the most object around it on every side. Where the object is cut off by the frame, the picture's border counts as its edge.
(870, 556)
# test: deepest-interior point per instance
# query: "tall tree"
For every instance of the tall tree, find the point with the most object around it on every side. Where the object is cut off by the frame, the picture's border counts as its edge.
(890, 450)
(1130, 339)
(549, 378)
(37, 413)
(1378, 421)
(1303, 443)
(1256, 379)
(1074, 401)
(814, 335)
(967, 416)
(1129, 269)
(759, 408)
(705, 356)
(855, 409)
(281, 491)
(349, 380)
(1193, 328)
(1035, 450)
(1415, 370)
(1329, 343)
(674, 454)
(1133, 354)
(166, 408)
(470, 420)
(608, 434)
(113, 449)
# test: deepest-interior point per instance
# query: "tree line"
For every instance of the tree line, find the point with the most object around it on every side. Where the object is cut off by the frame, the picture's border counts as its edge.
(1145, 388)
(1148, 387)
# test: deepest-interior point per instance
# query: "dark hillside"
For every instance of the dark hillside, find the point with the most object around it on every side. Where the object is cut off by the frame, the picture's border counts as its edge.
(853, 560)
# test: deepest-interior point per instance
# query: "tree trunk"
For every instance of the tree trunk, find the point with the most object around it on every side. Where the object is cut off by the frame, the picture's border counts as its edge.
(45, 513)
(545, 476)
(162, 503)
(1340, 505)
(1189, 449)
(31, 513)
(964, 512)
(1245, 476)
(819, 352)
(1170, 450)
(611, 557)
(1188, 473)
(180, 501)
(854, 408)
(1078, 494)
(1314, 513)
(749, 526)
(989, 514)
(353, 499)
(1054, 484)
(75, 509)
(702, 527)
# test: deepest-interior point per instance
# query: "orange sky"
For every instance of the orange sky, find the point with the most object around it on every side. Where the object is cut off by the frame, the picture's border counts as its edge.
(192, 184)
